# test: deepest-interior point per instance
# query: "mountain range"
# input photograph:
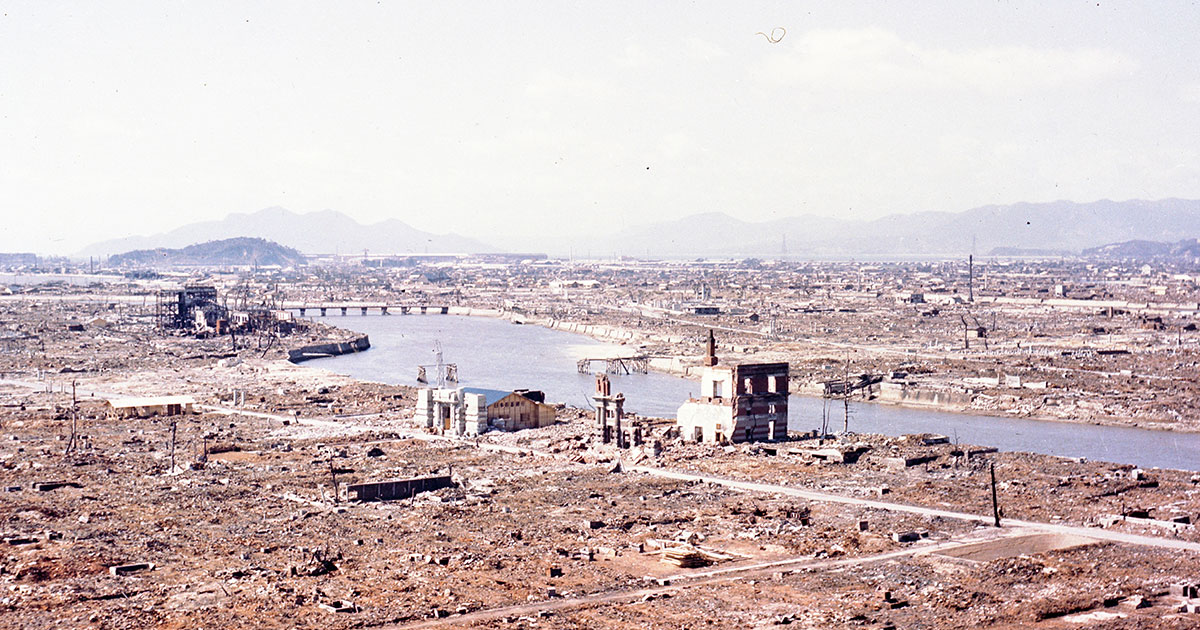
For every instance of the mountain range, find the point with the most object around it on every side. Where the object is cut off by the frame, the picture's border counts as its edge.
(1055, 226)
(325, 232)
(1059, 226)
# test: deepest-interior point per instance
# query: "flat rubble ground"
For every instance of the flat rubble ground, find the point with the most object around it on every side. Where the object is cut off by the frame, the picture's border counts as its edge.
(251, 526)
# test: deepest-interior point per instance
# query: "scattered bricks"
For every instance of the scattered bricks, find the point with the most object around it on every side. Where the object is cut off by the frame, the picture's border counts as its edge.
(555, 572)
(339, 606)
(127, 569)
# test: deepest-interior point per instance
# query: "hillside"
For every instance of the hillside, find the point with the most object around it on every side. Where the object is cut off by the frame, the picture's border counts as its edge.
(1188, 249)
(225, 252)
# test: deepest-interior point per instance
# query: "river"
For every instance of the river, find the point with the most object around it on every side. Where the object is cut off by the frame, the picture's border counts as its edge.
(496, 354)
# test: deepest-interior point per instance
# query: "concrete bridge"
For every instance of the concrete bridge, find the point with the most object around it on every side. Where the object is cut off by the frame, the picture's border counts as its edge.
(345, 308)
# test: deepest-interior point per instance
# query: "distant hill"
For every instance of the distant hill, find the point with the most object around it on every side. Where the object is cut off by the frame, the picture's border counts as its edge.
(1056, 226)
(230, 251)
(325, 232)
(1187, 249)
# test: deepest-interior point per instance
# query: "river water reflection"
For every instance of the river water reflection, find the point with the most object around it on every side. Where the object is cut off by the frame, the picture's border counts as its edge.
(496, 354)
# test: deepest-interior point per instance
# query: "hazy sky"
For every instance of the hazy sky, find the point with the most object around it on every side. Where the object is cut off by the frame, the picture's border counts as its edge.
(501, 119)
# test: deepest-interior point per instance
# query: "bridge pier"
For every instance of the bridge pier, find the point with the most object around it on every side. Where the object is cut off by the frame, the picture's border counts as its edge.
(364, 310)
(302, 311)
(343, 311)
(404, 310)
(322, 311)
(383, 310)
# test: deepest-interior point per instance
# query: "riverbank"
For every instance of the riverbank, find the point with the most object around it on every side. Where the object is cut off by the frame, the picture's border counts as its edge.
(908, 397)
(329, 349)
(979, 401)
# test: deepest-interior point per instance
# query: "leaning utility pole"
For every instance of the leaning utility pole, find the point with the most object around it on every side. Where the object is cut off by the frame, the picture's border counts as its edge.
(995, 503)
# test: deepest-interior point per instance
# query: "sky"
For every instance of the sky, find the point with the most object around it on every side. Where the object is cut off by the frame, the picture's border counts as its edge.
(507, 121)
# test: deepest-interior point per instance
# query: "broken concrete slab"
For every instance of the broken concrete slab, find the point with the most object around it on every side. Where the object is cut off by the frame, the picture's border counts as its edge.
(129, 569)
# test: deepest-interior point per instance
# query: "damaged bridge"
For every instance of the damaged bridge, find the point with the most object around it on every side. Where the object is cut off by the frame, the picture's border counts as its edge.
(639, 364)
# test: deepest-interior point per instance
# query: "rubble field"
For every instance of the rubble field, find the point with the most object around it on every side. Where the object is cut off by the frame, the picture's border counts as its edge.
(241, 513)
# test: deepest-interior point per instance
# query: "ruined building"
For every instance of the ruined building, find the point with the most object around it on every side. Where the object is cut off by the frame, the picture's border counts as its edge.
(193, 306)
(472, 411)
(737, 403)
(610, 416)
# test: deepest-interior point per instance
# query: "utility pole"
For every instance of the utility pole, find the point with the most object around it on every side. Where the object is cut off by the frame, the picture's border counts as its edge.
(846, 395)
(333, 476)
(995, 503)
(173, 425)
(971, 278)
(74, 427)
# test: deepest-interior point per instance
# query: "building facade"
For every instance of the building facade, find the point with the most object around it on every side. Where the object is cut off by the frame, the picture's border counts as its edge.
(738, 403)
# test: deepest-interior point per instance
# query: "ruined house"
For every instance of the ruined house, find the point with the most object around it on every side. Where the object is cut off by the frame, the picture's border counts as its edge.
(472, 410)
(737, 403)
